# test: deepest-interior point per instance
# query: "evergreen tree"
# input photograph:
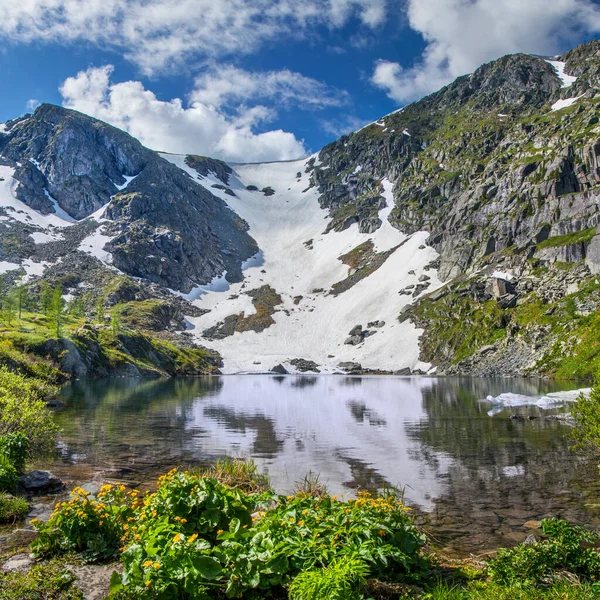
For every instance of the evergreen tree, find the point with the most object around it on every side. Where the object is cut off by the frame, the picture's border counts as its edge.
(57, 309)
(100, 309)
(77, 307)
(3, 292)
(21, 297)
(10, 307)
(45, 297)
(116, 318)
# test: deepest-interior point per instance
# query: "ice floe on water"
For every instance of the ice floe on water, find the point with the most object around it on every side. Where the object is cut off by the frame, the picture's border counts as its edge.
(546, 402)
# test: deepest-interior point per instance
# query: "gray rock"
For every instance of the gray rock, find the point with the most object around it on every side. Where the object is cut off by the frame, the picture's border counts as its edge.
(37, 482)
(592, 257)
(280, 369)
(508, 301)
(403, 372)
(19, 562)
(356, 330)
(304, 365)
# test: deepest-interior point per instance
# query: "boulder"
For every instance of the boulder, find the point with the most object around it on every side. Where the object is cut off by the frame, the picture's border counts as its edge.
(19, 562)
(507, 301)
(304, 365)
(280, 369)
(38, 482)
(403, 372)
(356, 330)
(592, 258)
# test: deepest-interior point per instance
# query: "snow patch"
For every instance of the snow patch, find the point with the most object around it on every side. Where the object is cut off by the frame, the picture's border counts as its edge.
(565, 103)
(34, 269)
(502, 275)
(41, 237)
(8, 266)
(94, 246)
(19, 211)
(549, 401)
(559, 67)
(128, 180)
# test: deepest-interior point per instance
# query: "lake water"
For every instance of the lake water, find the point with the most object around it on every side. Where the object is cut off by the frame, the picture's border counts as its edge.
(476, 479)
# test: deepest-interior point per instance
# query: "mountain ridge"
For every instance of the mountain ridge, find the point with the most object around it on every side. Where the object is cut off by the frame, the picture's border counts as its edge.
(478, 186)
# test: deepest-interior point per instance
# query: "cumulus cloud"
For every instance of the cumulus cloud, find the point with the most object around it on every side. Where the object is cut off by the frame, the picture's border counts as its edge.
(462, 34)
(228, 84)
(32, 103)
(172, 126)
(155, 34)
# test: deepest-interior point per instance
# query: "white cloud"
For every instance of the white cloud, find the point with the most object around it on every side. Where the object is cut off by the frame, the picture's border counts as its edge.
(157, 33)
(343, 125)
(225, 84)
(172, 127)
(32, 103)
(462, 34)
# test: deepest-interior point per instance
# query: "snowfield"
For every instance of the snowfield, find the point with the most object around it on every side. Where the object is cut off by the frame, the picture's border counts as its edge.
(316, 327)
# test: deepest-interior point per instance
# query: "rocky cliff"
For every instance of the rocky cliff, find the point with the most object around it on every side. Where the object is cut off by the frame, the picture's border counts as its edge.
(159, 224)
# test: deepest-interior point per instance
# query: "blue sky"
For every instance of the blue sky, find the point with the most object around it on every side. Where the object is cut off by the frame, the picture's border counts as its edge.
(261, 79)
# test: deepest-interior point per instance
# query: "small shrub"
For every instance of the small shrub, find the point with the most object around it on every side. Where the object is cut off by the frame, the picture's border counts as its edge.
(94, 528)
(338, 581)
(9, 478)
(566, 549)
(310, 486)
(23, 410)
(15, 446)
(12, 508)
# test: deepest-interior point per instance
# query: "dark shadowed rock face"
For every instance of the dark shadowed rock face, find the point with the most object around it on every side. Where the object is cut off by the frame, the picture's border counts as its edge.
(79, 161)
(166, 228)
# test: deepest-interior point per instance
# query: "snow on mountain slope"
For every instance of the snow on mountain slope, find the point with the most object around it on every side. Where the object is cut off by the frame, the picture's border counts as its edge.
(301, 263)
(19, 210)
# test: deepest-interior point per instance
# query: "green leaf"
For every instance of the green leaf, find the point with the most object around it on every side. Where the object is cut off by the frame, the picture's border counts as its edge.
(116, 583)
(208, 566)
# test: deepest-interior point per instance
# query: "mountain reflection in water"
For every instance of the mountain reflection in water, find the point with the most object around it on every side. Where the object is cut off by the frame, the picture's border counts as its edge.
(431, 436)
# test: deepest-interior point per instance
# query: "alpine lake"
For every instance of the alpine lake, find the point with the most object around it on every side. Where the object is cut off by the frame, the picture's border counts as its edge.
(478, 475)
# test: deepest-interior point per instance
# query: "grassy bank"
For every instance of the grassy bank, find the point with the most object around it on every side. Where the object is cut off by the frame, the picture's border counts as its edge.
(30, 345)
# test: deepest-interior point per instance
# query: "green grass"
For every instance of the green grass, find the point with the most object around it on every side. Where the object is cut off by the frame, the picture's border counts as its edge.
(578, 237)
(45, 581)
(239, 473)
(12, 508)
(481, 590)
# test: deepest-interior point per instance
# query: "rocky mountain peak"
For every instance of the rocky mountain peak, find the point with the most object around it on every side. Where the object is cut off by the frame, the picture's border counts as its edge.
(71, 159)
(520, 81)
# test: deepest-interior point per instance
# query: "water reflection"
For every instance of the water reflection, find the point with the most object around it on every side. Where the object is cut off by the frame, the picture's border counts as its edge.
(431, 436)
